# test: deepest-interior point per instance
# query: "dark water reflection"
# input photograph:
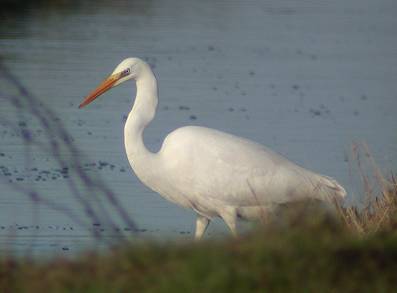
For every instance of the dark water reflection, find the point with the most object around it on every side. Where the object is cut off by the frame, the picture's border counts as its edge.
(306, 80)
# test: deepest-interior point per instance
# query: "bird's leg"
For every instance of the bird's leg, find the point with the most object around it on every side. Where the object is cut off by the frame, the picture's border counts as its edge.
(230, 217)
(201, 226)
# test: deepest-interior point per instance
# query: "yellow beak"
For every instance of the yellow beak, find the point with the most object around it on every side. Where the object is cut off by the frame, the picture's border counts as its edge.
(103, 87)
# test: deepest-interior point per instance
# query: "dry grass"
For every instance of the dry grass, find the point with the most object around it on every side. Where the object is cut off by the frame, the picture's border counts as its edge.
(379, 211)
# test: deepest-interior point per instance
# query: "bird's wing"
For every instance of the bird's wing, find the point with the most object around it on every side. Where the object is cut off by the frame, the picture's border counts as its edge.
(238, 171)
(214, 166)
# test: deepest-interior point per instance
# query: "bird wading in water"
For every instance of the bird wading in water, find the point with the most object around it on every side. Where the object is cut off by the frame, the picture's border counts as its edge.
(212, 172)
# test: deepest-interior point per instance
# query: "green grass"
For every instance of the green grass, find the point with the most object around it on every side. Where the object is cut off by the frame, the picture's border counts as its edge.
(312, 254)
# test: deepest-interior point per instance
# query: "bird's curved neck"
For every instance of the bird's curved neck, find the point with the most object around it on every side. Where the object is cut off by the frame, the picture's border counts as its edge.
(141, 115)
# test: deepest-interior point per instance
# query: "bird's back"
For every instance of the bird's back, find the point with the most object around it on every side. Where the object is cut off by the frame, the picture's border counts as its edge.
(212, 168)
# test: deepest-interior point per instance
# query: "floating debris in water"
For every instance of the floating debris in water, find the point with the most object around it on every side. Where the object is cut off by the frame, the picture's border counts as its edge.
(315, 112)
(319, 112)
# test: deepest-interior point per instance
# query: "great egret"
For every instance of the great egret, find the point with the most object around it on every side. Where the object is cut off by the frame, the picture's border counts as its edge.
(214, 173)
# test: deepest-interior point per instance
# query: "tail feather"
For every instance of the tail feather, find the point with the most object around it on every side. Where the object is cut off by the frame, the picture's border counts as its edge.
(331, 187)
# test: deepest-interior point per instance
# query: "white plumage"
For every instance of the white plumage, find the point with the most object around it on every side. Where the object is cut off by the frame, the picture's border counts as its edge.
(212, 172)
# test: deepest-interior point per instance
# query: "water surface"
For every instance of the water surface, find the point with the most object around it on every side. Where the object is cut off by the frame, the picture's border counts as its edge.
(306, 80)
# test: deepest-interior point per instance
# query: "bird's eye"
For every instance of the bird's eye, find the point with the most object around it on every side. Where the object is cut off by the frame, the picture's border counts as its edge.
(125, 72)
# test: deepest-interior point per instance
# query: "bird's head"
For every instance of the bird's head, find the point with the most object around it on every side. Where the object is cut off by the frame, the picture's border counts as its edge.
(130, 68)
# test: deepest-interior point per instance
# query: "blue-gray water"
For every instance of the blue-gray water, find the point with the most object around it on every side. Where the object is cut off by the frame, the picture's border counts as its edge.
(304, 79)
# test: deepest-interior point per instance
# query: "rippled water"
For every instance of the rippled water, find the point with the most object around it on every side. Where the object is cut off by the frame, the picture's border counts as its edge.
(306, 80)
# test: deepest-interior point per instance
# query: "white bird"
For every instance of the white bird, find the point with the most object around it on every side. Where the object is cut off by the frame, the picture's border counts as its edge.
(212, 172)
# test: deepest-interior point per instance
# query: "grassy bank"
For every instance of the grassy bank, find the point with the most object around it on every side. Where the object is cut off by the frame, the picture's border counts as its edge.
(316, 255)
